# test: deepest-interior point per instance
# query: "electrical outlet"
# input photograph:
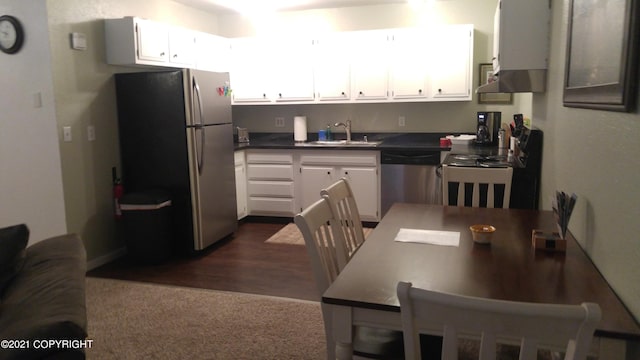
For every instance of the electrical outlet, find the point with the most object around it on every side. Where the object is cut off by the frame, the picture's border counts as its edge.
(401, 121)
(279, 122)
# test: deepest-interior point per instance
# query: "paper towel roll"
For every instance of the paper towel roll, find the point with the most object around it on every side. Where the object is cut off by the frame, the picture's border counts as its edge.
(300, 128)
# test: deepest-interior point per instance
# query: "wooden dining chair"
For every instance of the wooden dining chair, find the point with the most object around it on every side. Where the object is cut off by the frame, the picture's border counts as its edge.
(324, 243)
(346, 214)
(461, 179)
(532, 325)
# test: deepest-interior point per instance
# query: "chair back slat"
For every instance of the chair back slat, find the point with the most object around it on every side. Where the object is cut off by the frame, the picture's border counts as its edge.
(489, 177)
(347, 217)
(322, 242)
(532, 325)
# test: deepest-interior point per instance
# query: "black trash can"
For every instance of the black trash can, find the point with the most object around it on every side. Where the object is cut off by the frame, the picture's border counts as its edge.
(146, 220)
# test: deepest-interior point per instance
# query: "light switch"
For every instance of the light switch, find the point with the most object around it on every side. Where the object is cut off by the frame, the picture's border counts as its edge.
(66, 133)
(91, 133)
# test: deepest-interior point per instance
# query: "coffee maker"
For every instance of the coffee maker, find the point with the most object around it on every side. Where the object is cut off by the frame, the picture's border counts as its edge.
(489, 123)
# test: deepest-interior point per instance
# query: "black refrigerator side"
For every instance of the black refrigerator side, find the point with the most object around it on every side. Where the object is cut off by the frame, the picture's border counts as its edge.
(153, 143)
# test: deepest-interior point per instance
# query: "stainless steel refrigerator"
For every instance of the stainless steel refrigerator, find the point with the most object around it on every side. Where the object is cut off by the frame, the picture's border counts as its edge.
(176, 135)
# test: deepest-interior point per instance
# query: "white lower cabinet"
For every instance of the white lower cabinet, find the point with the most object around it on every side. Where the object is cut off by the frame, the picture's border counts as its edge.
(321, 168)
(241, 184)
(270, 186)
(284, 182)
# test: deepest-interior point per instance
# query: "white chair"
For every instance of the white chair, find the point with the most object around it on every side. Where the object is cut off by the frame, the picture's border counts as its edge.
(532, 325)
(323, 245)
(491, 177)
(346, 214)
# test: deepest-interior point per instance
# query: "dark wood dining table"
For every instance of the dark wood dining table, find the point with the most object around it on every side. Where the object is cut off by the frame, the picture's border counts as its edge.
(508, 268)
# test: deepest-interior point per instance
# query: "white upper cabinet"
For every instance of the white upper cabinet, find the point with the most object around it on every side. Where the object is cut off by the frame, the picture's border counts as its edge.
(292, 69)
(409, 64)
(332, 68)
(370, 64)
(182, 47)
(212, 52)
(135, 41)
(251, 70)
(451, 63)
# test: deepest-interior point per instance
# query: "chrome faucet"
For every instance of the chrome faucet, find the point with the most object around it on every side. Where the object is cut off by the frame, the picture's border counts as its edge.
(347, 128)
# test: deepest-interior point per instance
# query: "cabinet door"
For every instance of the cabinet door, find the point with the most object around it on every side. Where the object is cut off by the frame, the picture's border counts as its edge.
(364, 184)
(451, 62)
(250, 72)
(292, 67)
(241, 184)
(409, 64)
(312, 180)
(213, 53)
(332, 72)
(153, 41)
(182, 47)
(241, 191)
(370, 66)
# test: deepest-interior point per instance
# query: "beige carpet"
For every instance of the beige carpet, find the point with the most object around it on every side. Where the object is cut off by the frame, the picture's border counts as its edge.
(290, 234)
(131, 320)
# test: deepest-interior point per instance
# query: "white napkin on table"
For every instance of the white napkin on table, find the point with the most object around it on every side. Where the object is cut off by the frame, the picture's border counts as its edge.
(434, 237)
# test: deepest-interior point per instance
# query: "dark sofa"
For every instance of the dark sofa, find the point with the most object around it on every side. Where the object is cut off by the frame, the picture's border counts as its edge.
(42, 294)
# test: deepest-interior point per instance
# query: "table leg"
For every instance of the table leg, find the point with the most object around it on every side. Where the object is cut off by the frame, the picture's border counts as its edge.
(342, 324)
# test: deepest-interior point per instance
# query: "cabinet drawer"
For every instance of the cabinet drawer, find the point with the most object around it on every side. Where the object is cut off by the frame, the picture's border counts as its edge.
(269, 158)
(270, 172)
(271, 188)
(263, 205)
(342, 160)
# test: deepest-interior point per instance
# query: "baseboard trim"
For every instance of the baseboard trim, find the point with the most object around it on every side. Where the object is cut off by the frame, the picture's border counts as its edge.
(105, 259)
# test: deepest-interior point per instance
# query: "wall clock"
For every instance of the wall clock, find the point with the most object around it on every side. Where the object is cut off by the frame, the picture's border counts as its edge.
(11, 34)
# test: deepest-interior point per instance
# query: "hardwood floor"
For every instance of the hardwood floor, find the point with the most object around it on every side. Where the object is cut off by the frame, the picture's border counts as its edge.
(243, 263)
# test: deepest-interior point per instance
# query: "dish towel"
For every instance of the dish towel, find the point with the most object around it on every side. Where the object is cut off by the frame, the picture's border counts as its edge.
(433, 237)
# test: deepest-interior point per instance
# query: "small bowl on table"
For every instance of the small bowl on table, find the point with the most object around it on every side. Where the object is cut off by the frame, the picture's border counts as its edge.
(481, 233)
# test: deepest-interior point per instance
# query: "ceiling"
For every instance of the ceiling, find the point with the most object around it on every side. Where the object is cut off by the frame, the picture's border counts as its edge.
(215, 7)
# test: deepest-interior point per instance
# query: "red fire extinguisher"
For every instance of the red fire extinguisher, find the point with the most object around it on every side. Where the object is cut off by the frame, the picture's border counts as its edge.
(118, 191)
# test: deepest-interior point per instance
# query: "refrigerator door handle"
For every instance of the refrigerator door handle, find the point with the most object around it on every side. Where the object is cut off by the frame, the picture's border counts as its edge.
(199, 125)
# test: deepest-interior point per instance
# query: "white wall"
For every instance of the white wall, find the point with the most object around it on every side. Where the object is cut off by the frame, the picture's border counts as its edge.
(30, 175)
(595, 154)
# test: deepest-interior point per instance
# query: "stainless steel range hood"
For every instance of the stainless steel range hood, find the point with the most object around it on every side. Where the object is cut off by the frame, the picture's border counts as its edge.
(515, 81)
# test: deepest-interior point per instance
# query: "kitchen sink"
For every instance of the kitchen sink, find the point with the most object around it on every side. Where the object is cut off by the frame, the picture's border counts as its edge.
(340, 143)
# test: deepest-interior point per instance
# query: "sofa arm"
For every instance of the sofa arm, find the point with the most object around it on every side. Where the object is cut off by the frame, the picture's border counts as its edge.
(46, 300)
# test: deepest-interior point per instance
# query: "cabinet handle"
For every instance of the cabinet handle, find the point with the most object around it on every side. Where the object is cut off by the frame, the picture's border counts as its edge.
(280, 95)
(328, 172)
(419, 91)
(342, 93)
(361, 93)
(440, 90)
(346, 173)
(162, 53)
(264, 96)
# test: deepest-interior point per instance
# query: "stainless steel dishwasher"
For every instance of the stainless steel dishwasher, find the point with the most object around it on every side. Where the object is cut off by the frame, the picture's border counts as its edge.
(409, 176)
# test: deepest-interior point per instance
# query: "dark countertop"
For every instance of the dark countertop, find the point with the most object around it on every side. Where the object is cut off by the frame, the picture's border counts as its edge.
(390, 141)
